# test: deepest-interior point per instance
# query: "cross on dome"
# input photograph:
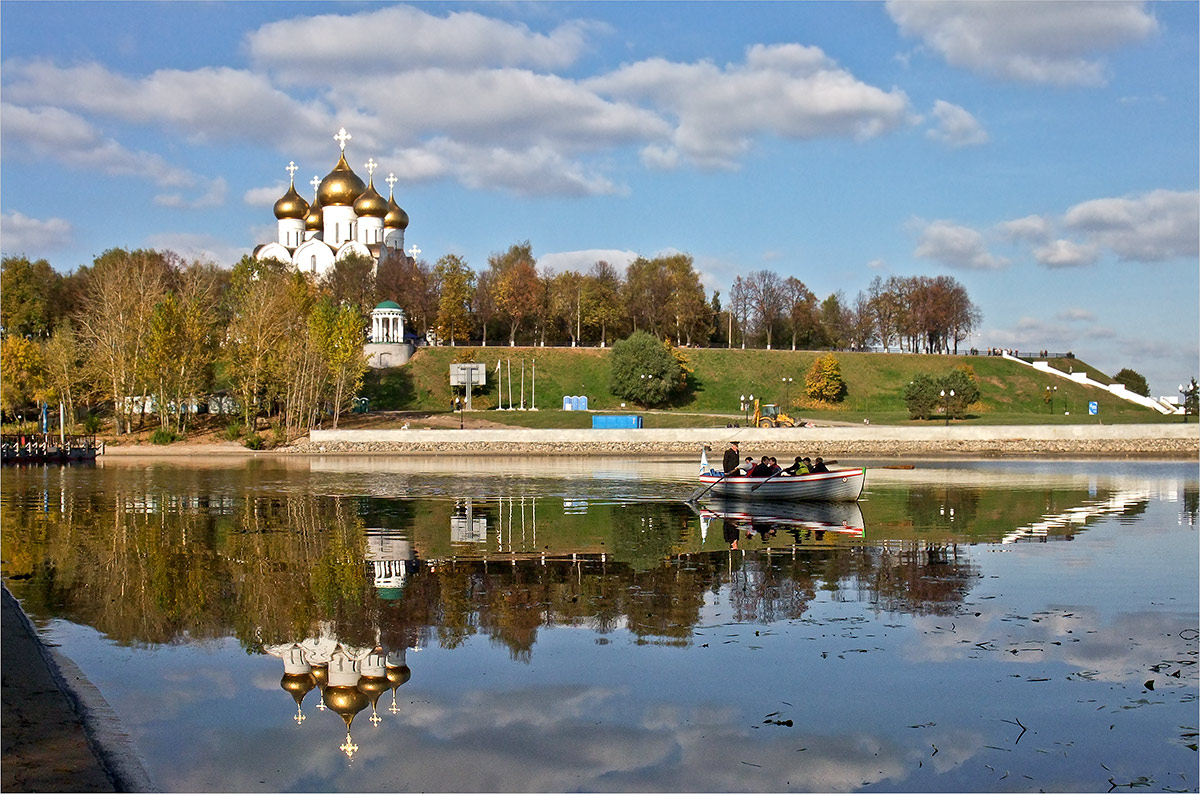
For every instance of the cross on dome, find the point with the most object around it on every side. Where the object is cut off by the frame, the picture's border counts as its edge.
(371, 165)
(315, 182)
(292, 168)
(341, 137)
(414, 252)
(391, 180)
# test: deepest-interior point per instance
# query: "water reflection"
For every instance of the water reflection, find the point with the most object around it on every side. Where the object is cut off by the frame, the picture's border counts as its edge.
(336, 578)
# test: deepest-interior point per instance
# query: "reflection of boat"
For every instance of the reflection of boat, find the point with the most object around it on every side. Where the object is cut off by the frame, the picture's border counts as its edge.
(835, 485)
(842, 517)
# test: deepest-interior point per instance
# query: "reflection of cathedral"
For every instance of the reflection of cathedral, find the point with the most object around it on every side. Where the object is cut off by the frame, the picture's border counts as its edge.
(345, 217)
(350, 678)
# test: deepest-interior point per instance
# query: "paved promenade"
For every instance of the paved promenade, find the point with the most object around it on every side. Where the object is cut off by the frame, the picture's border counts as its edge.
(1150, 440)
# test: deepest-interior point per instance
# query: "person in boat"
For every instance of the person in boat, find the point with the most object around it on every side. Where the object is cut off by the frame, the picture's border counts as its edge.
(731, 459)
(748, 465)
(762, 468)
(820, 466)
(775, 466)
(797, 468)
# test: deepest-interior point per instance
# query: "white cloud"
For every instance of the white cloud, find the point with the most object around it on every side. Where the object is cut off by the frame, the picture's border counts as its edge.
(204, 105)
(661, 158)
(201, 247)
(1031, 227)
(264, 196)
(537, 170)
(788, 90)
(213, 195)
(1026, 40)
(399, 38)
(956, 126)
(1065, 253)
(1076, 314)
(1153, 227)
(21, 234)
(582, 261)
(957, 247)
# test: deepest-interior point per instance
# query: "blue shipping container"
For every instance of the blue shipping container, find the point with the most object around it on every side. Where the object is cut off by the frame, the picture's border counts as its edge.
(617, 422)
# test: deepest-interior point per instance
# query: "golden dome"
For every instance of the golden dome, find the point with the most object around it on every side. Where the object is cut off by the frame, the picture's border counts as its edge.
(346, 701)
(370, 203)
(313, 222)
(341, 186)
(320, 674)
(396, 218)
(299, 684)
(398, 676)
(291, 205)
(373, 686)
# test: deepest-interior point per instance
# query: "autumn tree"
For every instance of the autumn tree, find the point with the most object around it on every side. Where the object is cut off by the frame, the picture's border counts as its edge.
(455, 284)
(566, 301)
(264, 312)
(767, 301)
(824, 380)
(123, 287)
(740, 305)
(518, 289)
(22, 373)
(30, 292)
(601, 298)
(64, 363)
(338, 332)
(410, 283)
(800, 308)
(646, 295)
(352, 280)
(688, 306)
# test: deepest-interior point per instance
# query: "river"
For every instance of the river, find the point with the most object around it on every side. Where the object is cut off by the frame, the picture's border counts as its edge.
(505, 624)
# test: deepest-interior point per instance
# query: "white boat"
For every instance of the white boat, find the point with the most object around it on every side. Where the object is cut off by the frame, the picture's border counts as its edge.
(835, 485)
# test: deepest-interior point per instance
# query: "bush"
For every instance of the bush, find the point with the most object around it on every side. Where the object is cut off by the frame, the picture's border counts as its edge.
(254, 441)
(927, 396)
(233, 431)
(163, 436)
(824, 380)
(92, 424)
(646, 371)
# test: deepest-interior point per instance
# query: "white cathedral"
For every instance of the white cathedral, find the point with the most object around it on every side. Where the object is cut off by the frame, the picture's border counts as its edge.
(345, 217)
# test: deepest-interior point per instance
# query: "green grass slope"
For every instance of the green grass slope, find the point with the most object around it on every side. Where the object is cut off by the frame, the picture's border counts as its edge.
(1010, 393)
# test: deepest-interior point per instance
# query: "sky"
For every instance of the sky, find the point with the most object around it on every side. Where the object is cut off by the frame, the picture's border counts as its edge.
(1044, 154)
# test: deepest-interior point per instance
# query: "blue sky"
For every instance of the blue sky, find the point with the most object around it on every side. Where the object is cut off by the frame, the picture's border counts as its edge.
(1043, 154)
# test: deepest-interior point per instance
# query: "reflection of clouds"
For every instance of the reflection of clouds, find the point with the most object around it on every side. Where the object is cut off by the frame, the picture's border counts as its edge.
(1121, 650)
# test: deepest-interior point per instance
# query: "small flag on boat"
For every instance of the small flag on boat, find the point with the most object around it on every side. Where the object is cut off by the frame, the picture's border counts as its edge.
(703, 460)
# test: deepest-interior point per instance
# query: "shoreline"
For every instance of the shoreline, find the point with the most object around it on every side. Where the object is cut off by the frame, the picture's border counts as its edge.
(1130, 441)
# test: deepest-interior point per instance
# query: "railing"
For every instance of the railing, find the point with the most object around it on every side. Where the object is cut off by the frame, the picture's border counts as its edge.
(37, 447)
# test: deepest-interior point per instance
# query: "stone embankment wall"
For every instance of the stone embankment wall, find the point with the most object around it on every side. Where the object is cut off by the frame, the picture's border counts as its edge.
(1154, 440)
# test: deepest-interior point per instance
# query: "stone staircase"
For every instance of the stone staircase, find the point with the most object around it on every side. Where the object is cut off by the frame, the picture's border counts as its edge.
(1162, 405)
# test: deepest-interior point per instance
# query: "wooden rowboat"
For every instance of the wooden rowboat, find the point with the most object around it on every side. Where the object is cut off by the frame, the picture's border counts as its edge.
(835, 485)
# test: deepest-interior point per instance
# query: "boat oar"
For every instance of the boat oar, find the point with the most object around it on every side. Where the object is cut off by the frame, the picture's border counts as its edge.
(700, 492)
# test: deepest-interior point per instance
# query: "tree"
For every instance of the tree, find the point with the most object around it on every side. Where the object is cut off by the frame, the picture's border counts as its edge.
(1134, 381)
(601, 301)
(961, 380)
(484, 303)
(835, 321)
(921, 396)
(518, 295)
(687, 304)
(566, 302)
(645, 370)
(266, 306)
(30, 303)
(883, 304)
(767, 299)
(739, 305)
(338, 332)
(352, 280)
(800, 307)
(22, 373)
(410, 283)
(824, 380)
(64, 363)
(455, 288)
(647, 294)
(123, 287)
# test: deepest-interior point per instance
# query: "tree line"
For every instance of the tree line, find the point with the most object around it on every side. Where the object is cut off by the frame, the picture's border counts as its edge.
(147, 332)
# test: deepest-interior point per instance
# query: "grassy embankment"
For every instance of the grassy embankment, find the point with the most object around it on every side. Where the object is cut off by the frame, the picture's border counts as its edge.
(1010, 393)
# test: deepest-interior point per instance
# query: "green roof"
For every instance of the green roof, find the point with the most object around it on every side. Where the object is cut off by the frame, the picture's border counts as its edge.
(388, 305)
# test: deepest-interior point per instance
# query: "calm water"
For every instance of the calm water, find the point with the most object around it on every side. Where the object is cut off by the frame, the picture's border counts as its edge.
(363, 625)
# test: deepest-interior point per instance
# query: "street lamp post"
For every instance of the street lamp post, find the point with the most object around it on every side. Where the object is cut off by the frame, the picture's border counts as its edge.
(746, 416)
(1050, 390)
(946, 397)
(787, 392)
(749, 403)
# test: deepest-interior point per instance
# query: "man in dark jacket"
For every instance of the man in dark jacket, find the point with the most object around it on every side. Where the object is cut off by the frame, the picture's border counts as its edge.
(732, 459)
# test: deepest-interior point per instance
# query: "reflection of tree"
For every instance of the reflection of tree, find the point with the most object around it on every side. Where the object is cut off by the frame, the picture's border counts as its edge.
(1191, 503)
(942, 508)
(143, 563)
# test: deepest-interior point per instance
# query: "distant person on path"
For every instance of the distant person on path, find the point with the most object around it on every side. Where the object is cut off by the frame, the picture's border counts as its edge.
(731, 459)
